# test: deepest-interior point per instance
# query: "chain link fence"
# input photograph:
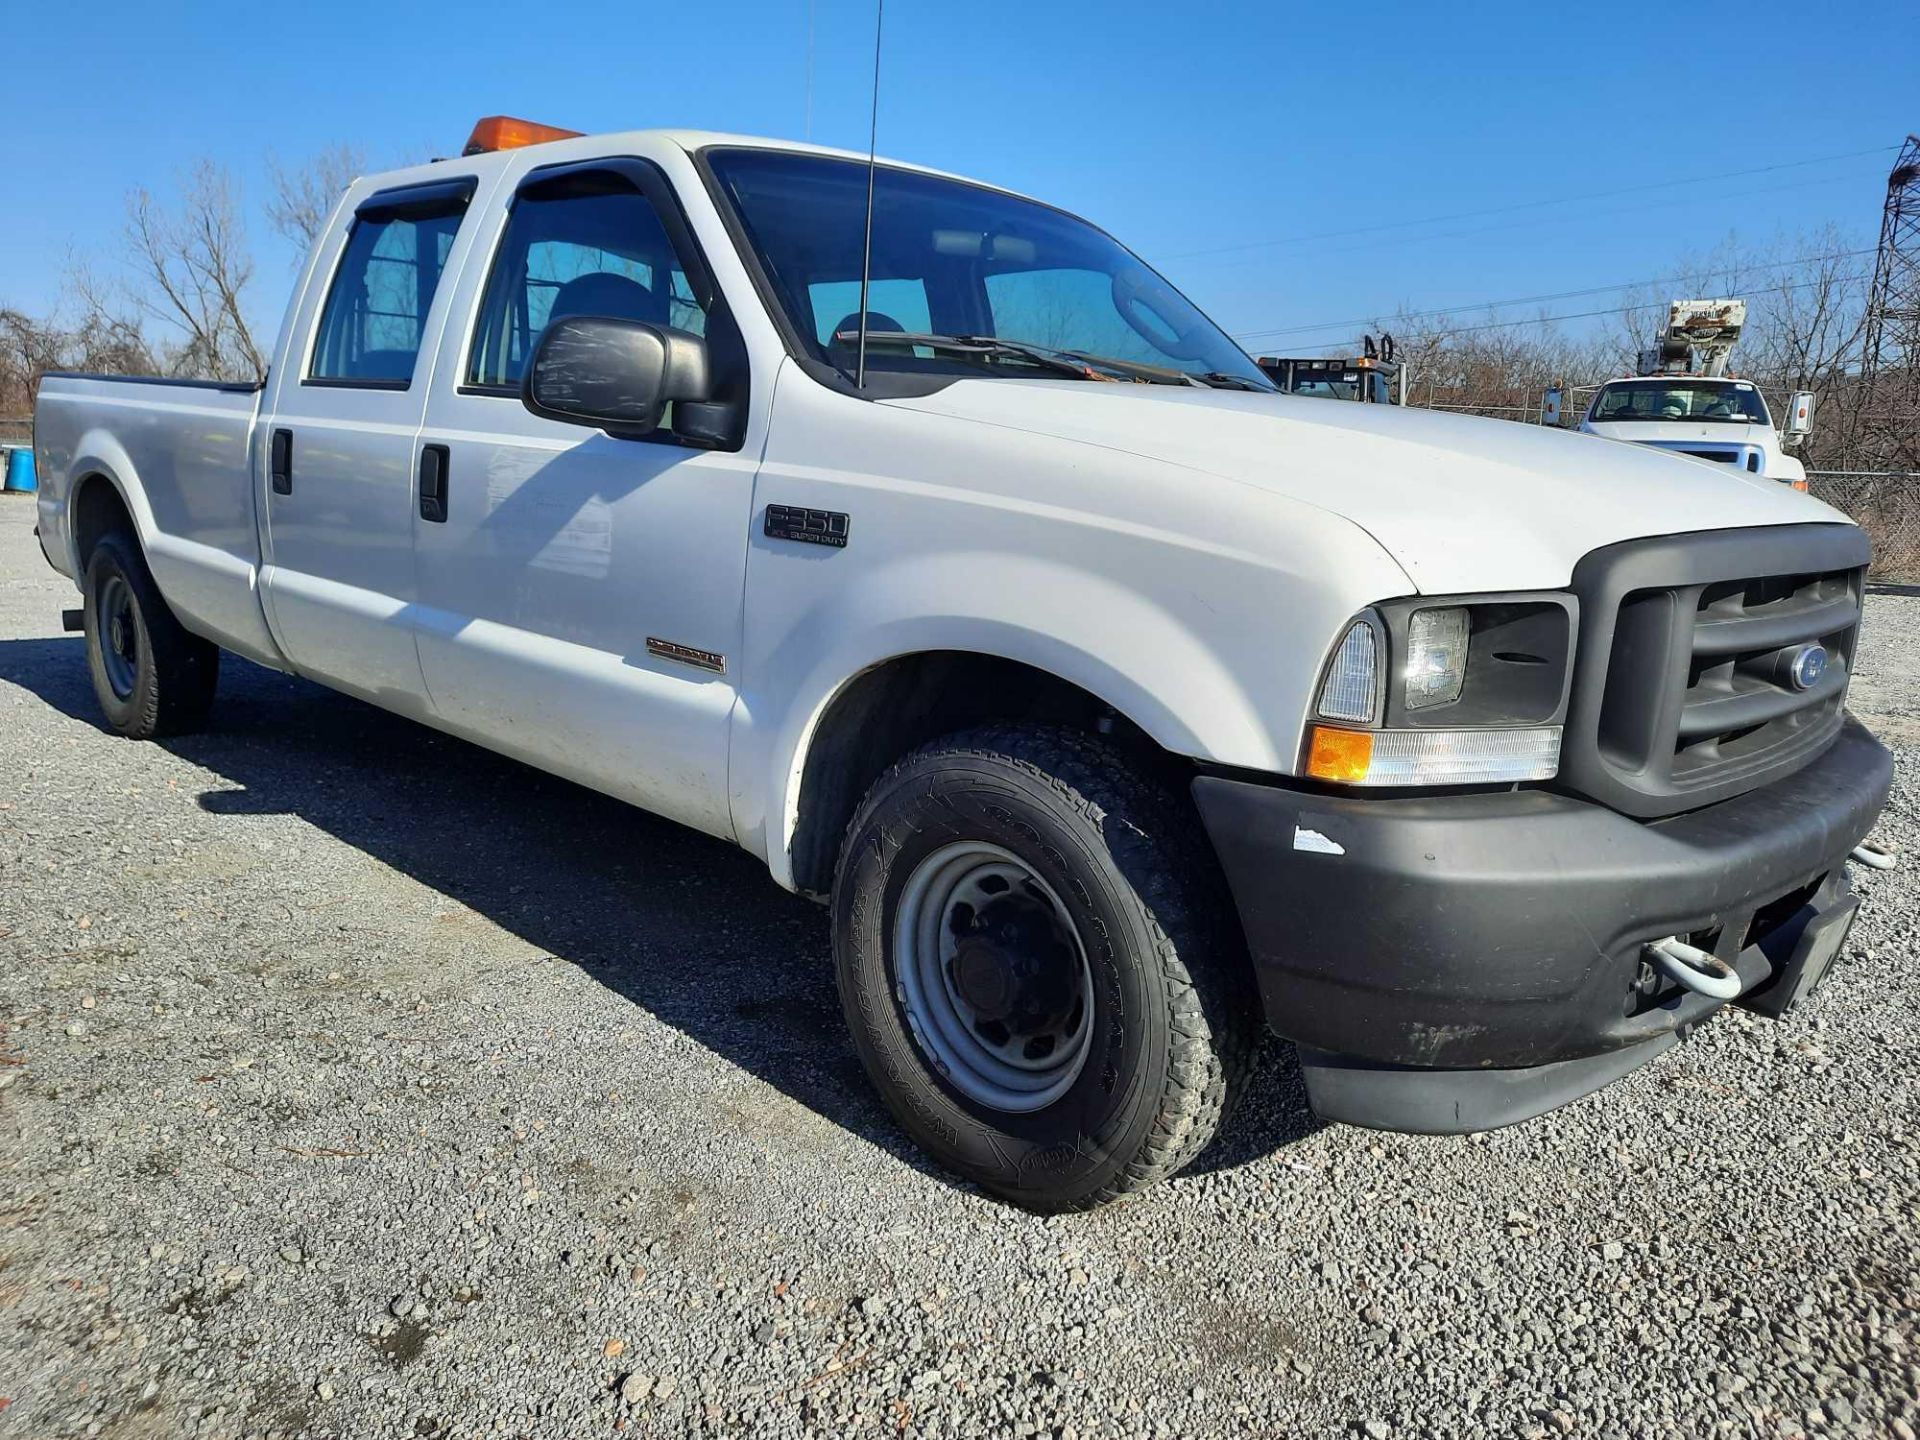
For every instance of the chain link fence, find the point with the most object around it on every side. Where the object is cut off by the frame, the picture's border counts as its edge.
(1886, 504)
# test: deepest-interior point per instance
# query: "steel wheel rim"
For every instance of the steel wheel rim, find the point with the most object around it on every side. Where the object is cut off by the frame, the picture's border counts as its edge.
(119, 636)
(992, 978)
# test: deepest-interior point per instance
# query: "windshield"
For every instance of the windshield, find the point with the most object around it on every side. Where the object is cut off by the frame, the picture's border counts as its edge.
(1328, 384)
(954, 259)
(1734, 402)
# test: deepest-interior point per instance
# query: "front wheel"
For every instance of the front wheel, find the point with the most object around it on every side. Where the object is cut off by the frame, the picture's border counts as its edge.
(151, 675)
(1038, 964)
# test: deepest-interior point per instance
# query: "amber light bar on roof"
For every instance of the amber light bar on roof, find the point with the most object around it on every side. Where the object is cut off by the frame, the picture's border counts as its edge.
(504, 132)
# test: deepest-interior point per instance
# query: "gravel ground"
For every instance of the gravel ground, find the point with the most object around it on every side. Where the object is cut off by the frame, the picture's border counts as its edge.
(359, 1083)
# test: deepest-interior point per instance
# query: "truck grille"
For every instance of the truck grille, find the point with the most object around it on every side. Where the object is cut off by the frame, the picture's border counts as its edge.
(1744, 457)
(1710, 664)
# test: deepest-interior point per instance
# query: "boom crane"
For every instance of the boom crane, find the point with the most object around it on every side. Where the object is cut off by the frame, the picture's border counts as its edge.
(1698, 340)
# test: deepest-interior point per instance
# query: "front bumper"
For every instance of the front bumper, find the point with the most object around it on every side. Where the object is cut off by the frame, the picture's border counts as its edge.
(1451, 963)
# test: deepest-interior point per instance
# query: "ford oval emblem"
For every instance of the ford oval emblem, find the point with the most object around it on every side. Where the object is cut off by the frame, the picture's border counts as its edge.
(1808, 666)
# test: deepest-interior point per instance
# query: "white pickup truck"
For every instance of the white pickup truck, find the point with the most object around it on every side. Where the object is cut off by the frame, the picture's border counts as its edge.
(1684, 399)
(1708, 417)
(1115, 703)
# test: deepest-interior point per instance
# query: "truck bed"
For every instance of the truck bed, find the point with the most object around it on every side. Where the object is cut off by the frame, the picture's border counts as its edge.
(179, 453)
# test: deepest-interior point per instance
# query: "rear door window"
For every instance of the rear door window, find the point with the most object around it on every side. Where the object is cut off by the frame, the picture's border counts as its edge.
(376, 311)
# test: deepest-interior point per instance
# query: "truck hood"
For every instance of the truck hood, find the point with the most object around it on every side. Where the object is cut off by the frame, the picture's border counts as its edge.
(1681, 432)
(1461, 503)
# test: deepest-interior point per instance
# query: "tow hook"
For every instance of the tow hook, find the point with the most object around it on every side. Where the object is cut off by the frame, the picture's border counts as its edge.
(1696, 969)
(1874, 857)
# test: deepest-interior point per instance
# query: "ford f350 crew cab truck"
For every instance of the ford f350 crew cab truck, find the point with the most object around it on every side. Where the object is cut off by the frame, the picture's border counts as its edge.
(1114, 703)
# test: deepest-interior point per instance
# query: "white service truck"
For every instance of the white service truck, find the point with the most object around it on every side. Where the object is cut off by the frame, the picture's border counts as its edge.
(1114, 703)
(1686, 401)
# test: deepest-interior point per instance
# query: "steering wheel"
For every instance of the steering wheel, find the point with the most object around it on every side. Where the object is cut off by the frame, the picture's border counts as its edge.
(1133, 295)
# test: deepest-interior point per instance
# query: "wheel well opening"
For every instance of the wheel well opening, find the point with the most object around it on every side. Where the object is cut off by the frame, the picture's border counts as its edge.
(97, 511)
(899, 706)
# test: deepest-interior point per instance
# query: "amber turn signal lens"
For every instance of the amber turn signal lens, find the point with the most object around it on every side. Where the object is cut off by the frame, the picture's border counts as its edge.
(504, 132)
(1343, 755)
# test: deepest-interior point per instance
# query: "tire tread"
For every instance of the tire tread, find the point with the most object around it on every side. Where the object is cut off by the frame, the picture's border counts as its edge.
(185, 669)
(1157, 845)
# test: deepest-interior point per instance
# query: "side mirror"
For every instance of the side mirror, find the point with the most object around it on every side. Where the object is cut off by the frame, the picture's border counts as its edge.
(1553, 408)
(1800, 415)
(616, 375)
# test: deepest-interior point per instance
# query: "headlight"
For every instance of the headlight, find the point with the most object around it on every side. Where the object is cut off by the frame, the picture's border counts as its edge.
(1436, 665)
(1477, 694)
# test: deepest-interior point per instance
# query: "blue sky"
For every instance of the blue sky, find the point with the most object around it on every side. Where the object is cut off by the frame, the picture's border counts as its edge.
(1271, 158)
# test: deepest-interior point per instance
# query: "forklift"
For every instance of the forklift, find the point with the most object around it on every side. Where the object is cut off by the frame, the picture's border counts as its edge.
(1375, 377)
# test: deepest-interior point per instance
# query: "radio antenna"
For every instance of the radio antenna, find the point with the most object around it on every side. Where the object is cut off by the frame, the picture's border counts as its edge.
(873, 142)
(809, 134)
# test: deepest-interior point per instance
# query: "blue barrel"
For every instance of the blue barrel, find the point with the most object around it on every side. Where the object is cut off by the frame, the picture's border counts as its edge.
(20, 470)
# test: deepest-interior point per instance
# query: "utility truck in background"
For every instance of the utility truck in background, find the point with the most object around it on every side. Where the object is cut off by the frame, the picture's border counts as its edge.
(1686, 399)
(916, 537)
(1376, 376)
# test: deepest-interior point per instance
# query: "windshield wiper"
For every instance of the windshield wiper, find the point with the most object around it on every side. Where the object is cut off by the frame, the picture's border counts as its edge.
(985, 345)
(1077, 363)
(1222, 380)
(1136, 370)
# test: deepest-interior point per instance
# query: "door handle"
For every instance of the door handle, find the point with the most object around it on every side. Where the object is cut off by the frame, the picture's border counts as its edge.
(280, 465)
(433, 483)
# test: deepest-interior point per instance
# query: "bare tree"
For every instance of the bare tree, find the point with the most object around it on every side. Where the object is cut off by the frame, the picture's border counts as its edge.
(101, 338)
(28, 349)
(304, 196)
(104, 338)
(194, 266)
(187, 268)
(1492, 367)
(1806, 300)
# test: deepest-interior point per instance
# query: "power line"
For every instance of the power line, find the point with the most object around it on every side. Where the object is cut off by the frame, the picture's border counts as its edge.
(1713, 179)
(1555, 295)
(1584, 314)
(1508, 227)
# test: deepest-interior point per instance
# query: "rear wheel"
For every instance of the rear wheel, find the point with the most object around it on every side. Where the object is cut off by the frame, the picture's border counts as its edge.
(151, 675)
(1037, 962)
